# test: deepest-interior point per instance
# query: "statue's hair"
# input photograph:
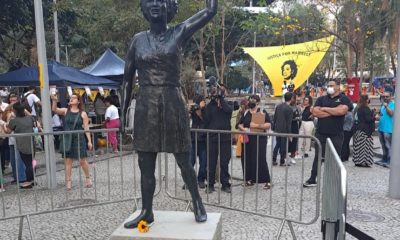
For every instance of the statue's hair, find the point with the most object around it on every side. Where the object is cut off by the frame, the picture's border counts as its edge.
(172, 9)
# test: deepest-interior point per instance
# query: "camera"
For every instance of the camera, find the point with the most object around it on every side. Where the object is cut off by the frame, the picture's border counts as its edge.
(215, 90)
(216, 93)
(194, 107)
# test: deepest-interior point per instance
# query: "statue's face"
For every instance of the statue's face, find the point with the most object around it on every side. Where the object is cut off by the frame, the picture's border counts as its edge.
(156, 10)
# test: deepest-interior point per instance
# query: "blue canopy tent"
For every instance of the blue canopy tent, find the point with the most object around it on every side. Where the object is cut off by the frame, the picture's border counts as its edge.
(379, 81)
(109, 65)
(59, 75)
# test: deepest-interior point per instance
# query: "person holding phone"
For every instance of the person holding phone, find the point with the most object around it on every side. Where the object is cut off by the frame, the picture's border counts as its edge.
(75, 119)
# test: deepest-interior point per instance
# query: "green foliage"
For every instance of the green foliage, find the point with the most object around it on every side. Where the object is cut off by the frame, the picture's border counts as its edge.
(235, 79)
(91, 26)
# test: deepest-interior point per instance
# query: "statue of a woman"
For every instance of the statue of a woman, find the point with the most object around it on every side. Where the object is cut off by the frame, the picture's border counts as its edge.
(161, 119)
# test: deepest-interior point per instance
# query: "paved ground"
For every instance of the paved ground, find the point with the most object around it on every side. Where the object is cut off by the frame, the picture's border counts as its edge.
(369, 208)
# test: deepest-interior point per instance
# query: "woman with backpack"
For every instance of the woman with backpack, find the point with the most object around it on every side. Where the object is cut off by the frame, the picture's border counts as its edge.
(74, 146)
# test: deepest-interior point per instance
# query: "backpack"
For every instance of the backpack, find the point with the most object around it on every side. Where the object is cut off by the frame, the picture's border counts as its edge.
(25, 102)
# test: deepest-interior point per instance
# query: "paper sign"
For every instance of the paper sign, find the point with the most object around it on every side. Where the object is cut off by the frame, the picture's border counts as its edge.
(257, 118)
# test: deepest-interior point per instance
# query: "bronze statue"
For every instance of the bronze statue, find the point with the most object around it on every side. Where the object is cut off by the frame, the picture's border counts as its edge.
(161, 119)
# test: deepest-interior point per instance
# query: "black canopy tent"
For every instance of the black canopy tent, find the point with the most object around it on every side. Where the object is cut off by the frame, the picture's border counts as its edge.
(109, 65)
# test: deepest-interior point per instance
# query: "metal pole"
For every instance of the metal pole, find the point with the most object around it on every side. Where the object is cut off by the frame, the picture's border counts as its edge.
(254, 66)
(66, 54)
(394, 177)
(44, 85)
(56, 40)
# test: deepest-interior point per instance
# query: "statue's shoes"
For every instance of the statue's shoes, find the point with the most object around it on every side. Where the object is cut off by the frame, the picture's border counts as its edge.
(149, 218)
(200, 214)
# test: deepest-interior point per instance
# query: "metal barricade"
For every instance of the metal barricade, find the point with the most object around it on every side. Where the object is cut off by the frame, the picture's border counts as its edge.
(115, 179)
(114, 176)
(286, 201)
(334, 196)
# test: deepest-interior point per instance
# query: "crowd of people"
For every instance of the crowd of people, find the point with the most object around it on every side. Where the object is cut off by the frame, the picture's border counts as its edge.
(333, 116)
(22, 114)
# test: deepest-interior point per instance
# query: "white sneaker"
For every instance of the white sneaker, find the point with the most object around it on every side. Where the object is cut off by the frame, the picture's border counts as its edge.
(292, 161)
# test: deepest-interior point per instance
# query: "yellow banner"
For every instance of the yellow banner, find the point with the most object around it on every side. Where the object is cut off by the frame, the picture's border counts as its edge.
(290, 65)
(93, 95)
(79, 91)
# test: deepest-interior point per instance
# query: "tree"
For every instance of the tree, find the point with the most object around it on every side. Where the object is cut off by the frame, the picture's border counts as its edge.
(17, 29)
(235, 79)
(361, 27)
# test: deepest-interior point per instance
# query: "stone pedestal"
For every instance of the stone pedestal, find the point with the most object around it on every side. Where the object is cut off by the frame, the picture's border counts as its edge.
(170, 225)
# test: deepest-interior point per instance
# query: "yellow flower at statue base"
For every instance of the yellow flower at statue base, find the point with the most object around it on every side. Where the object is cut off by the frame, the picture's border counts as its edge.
(143, 226)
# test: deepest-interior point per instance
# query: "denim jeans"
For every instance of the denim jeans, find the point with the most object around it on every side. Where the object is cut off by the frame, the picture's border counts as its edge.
(202, 154)
(18, 166)
(281, 147)
(386, 142)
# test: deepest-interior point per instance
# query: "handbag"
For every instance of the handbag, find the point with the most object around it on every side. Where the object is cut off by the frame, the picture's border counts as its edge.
(66, 140)
(243, 138)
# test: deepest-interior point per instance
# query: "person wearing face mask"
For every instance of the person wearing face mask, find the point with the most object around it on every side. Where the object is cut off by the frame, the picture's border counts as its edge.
(254, 162)
(218, 115)
(330, 111)
(385, 128)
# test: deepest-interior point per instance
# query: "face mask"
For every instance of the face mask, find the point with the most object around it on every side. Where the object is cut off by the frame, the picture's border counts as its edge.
(330, 90)
(251, 105)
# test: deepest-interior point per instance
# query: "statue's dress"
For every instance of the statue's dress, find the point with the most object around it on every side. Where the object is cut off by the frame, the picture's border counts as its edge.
(161, 118)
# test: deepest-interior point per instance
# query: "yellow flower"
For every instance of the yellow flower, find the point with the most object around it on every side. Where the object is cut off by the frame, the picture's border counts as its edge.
(143, 226)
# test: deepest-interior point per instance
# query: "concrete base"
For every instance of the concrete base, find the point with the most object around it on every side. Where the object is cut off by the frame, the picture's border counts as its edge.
(170, 225)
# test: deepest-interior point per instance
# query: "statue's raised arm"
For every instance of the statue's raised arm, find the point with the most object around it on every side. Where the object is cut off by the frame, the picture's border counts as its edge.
(199, 20)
